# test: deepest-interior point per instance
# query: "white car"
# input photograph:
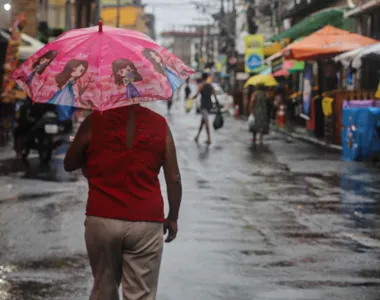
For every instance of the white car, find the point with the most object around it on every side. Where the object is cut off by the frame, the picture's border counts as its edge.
(225, 100)
(29, 45)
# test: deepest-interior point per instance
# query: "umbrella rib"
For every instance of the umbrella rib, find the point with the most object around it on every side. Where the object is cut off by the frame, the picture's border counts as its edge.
(98, 79)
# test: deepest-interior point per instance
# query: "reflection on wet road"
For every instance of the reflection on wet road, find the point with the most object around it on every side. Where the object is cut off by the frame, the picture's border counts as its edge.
(279, 221)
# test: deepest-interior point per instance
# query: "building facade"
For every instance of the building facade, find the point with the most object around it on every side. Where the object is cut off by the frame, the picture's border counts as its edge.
(367, 16)
(182, 43)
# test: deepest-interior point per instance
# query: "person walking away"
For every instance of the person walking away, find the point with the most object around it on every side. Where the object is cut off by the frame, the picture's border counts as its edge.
(187, 89)
(259, 109)
(206, 90)
(169, 104)
(121, 152)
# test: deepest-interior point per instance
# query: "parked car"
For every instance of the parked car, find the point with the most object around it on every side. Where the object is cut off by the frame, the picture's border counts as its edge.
(225, 100)
(29, 45)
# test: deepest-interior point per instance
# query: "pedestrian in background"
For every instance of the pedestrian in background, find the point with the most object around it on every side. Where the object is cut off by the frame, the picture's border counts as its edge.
(121, 151)
(278, 100)
(187, 89)
(206, 90)
(259, 109)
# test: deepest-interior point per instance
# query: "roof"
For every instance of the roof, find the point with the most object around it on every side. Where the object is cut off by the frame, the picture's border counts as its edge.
(174, 33)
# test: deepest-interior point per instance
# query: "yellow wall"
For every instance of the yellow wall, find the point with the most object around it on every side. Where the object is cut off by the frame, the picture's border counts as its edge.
(131, 17)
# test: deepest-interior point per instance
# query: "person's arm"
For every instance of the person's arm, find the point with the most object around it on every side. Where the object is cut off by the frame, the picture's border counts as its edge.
(174, 187)
(76, 155)
(200, 88)
(251, 104)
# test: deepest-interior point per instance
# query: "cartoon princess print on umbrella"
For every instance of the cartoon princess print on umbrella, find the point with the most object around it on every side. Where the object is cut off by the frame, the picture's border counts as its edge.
(125, 73)
(41, 64)
(174, 80)
(67, 79)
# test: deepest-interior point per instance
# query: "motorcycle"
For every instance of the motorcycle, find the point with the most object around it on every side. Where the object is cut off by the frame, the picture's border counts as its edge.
(45, 134)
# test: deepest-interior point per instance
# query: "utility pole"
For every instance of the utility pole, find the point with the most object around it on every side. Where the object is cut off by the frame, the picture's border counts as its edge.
(118, 14)
(68, 16)
(79, 13)
(88, 13)
(98, 11)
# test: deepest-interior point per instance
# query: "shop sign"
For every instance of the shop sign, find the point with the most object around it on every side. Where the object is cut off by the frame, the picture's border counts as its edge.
(254, 52)
(277, 64)
(242, 76)
(222, 60)
(307, 88)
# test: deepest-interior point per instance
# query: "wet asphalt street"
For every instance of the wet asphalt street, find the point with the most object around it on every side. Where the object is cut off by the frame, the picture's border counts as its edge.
(276, 222)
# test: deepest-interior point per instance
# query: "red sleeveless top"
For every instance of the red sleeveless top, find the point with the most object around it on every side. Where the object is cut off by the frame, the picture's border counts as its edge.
(123, 183)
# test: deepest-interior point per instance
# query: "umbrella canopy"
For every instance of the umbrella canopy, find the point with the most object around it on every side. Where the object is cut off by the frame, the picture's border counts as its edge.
(101, 68)
(370, 50)
(267, 80)
(326, 42)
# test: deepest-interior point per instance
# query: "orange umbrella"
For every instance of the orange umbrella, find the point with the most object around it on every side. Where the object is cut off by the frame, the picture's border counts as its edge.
(327, 41)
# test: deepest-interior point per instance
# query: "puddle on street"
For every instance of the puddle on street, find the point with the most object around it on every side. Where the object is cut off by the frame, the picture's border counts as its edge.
(45, 279)
(11, 166)
(257, 252)
(304, 284)
(203, 184)
(31, 196)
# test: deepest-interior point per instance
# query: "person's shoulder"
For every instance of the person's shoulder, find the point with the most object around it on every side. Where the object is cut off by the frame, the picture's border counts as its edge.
(152, 115)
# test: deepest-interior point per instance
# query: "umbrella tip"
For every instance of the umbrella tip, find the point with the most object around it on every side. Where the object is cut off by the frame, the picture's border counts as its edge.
(100, 23)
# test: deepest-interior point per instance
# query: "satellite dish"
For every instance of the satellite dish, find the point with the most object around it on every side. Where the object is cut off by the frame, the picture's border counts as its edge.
(351, 3)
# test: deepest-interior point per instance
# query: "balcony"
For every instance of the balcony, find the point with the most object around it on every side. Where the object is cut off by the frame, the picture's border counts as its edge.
(297, 8)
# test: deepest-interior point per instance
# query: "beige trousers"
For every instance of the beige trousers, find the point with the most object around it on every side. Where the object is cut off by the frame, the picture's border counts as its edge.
(127, 252)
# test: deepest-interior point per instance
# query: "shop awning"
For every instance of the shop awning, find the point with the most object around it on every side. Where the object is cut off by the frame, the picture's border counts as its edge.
(333, 16)
(346, 58)
(297, 67)
(362, 9)
(288, 67)
(370, 50)
(327, 41)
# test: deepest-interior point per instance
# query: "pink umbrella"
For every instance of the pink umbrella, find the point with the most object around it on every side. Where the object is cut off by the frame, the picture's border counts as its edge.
(101, 68)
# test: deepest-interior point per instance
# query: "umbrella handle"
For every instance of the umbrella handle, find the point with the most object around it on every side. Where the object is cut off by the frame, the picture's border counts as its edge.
(100, 23)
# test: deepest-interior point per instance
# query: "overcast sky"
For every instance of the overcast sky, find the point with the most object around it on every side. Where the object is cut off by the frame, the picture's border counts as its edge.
(178, 12)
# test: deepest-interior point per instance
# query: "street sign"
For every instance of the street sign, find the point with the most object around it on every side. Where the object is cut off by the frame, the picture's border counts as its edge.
(254, 52)
(253, 61)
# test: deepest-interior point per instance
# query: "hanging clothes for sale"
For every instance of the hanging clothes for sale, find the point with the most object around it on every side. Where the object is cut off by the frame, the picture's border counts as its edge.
(327, 106)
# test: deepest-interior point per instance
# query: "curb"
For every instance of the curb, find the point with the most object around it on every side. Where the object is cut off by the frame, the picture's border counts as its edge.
(307, 139)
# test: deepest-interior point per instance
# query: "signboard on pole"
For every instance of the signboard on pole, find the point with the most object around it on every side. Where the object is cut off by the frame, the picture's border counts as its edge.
(307, 88)
(277, 64)
(11, 60)
(254, 52)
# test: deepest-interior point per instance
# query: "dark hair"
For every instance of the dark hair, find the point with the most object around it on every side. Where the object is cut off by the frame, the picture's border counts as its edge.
(204, 76)
(159, 67)
(62, 78)
(122, 63)
(50, 55)
(261, 87)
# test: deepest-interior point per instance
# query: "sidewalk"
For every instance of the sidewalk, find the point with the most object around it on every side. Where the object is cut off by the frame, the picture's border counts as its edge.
(302, 134)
